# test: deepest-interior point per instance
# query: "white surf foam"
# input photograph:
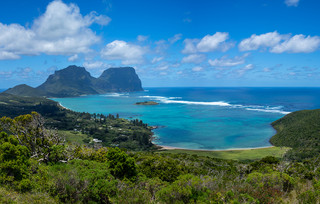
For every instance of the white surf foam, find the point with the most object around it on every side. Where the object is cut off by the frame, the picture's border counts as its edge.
(117, 95)
(268, 109)
(216, 103)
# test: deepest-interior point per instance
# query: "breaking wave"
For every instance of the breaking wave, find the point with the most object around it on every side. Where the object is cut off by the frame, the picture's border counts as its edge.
(268, 109)
(117, 95)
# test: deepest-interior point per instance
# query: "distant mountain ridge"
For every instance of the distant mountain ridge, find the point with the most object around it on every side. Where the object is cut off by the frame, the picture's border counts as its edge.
(76, 81)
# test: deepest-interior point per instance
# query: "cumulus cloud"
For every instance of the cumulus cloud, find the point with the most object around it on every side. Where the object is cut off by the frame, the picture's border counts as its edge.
(264, 40)
(4, 55)
(208, 43)
(297, 44)
(126, 52)
(61, 30)
(292, 2)
(214, 42)
(228, 62)
(194, 58)
(278, 43)
(190, 46)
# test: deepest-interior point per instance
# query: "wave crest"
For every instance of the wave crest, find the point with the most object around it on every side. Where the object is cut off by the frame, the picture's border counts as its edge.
(268, 109)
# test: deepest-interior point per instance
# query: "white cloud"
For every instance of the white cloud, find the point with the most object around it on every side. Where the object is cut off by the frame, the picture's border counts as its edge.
(291, 2)
(142, 38)
(164, 67)
(4, 55)
(264, 40)
(126, 52)
(214, 42)
(190, 46)
(245, 69)
(175, 38)
(208, 43)
(73, 58)
(278, 43)
(93, 17)
(194, 58)
(61, 30)
(156, 59)
(197, 69)
(297, 44)
(228, 62)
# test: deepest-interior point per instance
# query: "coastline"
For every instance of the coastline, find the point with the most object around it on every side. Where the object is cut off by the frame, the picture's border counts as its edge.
(163, 147)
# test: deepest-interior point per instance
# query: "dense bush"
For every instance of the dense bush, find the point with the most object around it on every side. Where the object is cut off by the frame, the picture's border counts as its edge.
(120, 164)
(14, 162)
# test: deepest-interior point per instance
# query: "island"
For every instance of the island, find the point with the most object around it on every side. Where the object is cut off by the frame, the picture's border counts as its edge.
(147, 103)
(76, 81)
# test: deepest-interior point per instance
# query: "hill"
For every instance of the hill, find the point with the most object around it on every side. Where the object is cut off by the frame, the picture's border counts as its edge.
(81, 128)
(76, 81)
(299, 130)
(24, 90)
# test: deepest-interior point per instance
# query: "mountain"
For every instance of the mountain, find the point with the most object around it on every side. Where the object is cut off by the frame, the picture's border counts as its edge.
(71, 81)
(75, 81)
(122, 79)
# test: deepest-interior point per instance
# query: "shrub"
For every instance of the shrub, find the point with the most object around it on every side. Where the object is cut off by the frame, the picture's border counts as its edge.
(120, 164)
(14, 159)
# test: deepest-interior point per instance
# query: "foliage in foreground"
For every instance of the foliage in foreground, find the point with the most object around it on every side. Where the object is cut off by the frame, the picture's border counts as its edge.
(113, 175)
(36, 169)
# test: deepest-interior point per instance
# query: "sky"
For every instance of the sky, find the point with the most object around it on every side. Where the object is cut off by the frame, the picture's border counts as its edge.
(170, 43)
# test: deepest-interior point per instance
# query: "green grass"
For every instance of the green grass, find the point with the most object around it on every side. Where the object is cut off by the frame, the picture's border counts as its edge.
(74, 138)
(240, 155)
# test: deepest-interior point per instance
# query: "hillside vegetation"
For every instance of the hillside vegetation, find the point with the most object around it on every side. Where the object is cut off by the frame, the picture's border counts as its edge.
(37, 164)
(110, 129)
(299, 130)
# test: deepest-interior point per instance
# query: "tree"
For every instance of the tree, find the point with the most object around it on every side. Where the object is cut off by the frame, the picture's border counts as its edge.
(120, 164)
(30, 132)
(14, 159)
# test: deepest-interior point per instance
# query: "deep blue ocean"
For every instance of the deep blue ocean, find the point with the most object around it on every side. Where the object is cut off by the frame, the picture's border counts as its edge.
(204, 118)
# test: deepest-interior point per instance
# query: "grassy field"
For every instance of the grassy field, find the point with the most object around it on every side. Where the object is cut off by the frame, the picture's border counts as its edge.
(73, 137)
(240, 155)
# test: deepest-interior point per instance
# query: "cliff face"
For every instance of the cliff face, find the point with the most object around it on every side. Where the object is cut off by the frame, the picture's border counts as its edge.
(71, 81)
(75, 81)
(122, 79)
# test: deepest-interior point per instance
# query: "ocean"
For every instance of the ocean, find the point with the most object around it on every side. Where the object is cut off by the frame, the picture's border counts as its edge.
(204, 118)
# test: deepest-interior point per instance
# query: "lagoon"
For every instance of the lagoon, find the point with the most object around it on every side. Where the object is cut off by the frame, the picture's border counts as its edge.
(204, 118)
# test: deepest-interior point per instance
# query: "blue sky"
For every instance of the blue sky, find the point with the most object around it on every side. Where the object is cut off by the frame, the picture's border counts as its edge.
(169, 43)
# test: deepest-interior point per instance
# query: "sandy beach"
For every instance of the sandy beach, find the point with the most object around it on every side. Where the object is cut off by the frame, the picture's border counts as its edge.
(231, 149)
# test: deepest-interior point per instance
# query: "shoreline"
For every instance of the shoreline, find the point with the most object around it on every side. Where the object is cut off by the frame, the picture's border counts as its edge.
(164, 147)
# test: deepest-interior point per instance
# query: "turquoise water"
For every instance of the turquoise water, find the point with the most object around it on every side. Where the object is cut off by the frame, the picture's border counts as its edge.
(204, 118)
